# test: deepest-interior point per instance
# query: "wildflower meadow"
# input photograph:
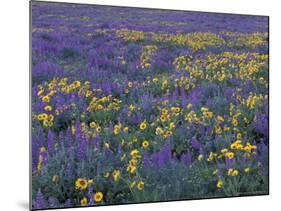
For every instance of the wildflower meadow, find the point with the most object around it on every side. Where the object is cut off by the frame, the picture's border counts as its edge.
(137, 105)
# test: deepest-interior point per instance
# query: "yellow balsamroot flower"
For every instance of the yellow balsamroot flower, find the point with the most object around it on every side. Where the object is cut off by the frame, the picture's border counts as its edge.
(125, 129)
(106, 174)
(84, 201)
(229, 155)
(215, 172)
(131, 107)
(81, 184)
(218, 129)
(200, 157)
(40, 117)
(44, 116)
(224, 150)
(233, 145)
(88, 93)
(155, 80)
(135, 154)
(239, 136)
(98, 129)
(130, 84)
(55, 179)
(46, 99)
(48, 108)
(164, 84)
(235, 173)
(76, 84)
(145, 144)
(163, 118)
(51, 117)
(219, 183)
(164, 111)
(159, 131)
(98, 196)
(234, 122)
(247, 170)
(143, 125)
(116, 174)
(220, 118)
(116, 130)
(90, 181)
(229, 172)
(209, 114)
(131, 169)
(106, 145)
(232, 172)
(92, 124)
(140, 185)
(211, 156)
(203, 109)
(46, 123)
(132, 184)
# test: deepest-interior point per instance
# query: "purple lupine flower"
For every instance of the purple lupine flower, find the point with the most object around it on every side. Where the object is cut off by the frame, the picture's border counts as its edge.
(40, 202)
(195, 143)
(53, 202)
(186, 159)
(146, 161)
(82, 149)
(61, 139)
(35, 152)
(183, 97)
(69, 140)
(50, 142)
(68, 203)
(163, 156)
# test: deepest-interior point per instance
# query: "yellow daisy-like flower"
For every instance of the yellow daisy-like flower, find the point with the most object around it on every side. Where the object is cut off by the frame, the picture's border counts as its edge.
(98, 129)
(135, 154)
(164, 111)
(106, 174)
(130, 84)
(46, 99)
(220, 118)
(143, 125)
(48, 108)
(76, 84)
(225, 150)
(40, 117)
(229, 172)
(247, 170)
(229, 155)
(239, 136)
(219, 184)
(116, 131)
(98, 196)
(81, 184)
(46, 123)
(116, 175)
(200, 157)
(55, 179)
(88, 93)
(235, 173)
(145, 144)
(44, 116)
(84, 201)
(155, 80)
(159, 131)
(92, 124)
(163, 118)
(140, 185)
(234, 122)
